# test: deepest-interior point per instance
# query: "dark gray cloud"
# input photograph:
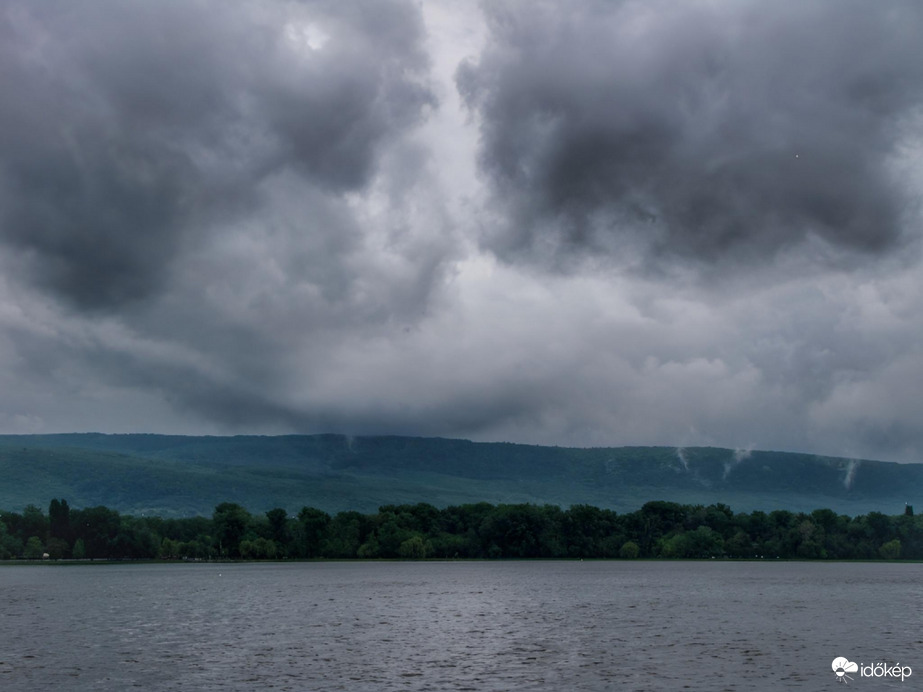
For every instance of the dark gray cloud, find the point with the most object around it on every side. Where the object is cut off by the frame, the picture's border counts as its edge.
(258, 217)
(697, 129)
(132, 130)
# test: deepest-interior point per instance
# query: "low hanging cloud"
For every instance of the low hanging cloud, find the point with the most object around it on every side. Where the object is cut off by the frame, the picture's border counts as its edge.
(132, 132)
(711, 132)
(272, 216)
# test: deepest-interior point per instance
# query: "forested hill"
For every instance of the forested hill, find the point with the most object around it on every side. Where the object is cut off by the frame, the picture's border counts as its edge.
(181, 476)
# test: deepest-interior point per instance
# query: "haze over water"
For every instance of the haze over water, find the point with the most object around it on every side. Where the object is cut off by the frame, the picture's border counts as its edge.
(456, 626)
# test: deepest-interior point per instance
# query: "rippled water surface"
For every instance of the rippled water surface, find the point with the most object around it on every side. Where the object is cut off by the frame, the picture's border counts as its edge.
(456, 625)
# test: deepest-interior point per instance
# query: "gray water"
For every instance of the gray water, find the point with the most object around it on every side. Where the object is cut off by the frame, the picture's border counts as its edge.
(456, 625)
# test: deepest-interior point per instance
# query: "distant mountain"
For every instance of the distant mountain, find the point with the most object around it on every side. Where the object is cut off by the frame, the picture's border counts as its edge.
(180, 476)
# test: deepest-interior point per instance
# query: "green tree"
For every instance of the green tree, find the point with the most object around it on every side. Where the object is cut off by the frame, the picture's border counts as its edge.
(390, 536)
(59, 519)
(809, 539)
(314, 524)
(522, 530)
(278, 526)
(447, 545)
(346, 532)
(98, 527)
(258, 549)
(890, 550)
(675, 546)
(629, 550)
(135, 540)
(10, 545)
(704, 542)
(719, 518)
(739, 545)
(169, 549)
(655, 520)
(34, 548)
(79, 552)
(414, 548)
(230, 522)
(881, 526)
(57, 548)
(369, 550)
(34, 523)
(587, 532)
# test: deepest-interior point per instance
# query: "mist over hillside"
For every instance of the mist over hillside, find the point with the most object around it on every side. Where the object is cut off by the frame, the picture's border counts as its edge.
(185, 475)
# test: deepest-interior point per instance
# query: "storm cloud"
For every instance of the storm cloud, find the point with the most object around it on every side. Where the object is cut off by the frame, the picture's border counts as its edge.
(133, 130)
(698, 130)
(599, 223)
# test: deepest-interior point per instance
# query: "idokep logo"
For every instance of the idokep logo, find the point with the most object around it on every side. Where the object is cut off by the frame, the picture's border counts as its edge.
(843, 666)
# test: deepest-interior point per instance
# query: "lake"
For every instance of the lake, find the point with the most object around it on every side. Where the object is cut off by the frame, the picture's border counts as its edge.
(531, 625)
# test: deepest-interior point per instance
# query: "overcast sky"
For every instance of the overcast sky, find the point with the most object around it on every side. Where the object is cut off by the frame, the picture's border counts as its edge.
(582, 223)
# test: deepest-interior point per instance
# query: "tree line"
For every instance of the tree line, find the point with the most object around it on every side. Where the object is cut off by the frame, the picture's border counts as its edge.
(473, 531)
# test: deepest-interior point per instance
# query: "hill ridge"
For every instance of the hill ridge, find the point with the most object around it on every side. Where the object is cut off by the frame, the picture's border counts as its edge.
(179, 475)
